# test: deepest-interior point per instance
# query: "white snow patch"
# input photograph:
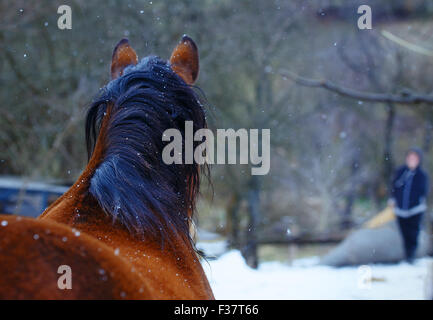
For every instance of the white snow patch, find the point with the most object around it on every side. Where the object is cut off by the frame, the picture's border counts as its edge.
(231, 278)
(213, 249)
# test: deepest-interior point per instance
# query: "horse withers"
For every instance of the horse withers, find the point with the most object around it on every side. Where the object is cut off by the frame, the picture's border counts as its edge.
(122, 230)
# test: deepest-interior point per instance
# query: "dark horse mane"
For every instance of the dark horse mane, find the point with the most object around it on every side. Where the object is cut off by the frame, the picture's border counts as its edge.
(132, 183)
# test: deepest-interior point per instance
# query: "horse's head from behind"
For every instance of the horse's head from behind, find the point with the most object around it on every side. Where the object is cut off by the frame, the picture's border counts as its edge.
(124, 129)
(112, 225)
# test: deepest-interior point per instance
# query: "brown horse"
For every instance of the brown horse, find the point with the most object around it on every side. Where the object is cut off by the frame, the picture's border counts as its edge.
(122, 230)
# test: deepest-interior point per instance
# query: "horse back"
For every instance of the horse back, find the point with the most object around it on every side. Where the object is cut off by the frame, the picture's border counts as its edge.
(37, 255)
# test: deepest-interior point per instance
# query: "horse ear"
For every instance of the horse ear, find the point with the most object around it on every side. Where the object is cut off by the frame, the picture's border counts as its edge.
(123, 56)
(184, 60)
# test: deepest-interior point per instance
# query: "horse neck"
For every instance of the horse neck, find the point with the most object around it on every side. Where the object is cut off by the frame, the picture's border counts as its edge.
(77, 200)
(78, 209)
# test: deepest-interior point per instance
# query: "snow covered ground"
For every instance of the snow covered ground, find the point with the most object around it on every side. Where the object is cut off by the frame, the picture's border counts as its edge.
(231, 278)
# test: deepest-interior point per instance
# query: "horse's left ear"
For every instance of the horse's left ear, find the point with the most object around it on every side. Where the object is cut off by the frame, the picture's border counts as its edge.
(184, 60)
(123, 56)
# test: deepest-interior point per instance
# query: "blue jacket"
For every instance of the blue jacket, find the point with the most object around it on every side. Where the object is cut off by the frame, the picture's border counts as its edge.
(409, 188)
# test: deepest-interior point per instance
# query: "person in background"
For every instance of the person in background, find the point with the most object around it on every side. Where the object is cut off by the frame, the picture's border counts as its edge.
(409, 191)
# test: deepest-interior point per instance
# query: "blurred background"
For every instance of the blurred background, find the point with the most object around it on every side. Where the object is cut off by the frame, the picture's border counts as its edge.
(332, 156)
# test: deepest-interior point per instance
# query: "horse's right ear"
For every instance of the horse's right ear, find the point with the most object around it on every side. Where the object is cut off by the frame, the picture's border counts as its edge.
(123, 56)
(184, 60)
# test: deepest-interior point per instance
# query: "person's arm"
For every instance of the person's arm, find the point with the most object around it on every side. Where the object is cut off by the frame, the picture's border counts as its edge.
(425, 186)
(392, 200)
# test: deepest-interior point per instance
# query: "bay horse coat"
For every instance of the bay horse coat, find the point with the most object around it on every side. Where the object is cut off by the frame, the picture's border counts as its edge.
(122, 230)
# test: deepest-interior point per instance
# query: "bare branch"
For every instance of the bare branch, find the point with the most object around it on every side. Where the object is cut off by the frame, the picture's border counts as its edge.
(404, 97)
(406, 44)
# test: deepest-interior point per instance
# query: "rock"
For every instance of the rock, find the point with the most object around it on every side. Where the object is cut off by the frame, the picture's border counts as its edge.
(374, 245)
